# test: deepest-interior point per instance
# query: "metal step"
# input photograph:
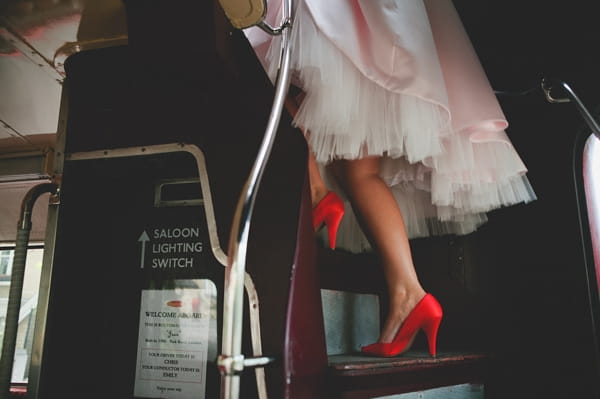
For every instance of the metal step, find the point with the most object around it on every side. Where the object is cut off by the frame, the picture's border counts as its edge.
(353, 299)
(356, 376)
(461, 391)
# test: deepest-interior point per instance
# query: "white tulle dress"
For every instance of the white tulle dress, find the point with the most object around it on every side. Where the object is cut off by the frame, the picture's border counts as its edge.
(400, 79)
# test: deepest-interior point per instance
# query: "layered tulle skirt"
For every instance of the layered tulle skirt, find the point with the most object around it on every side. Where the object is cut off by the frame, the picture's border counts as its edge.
(445, 171)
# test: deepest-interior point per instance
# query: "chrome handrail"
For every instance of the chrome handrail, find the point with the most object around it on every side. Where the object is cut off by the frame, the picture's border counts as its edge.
(231, 362)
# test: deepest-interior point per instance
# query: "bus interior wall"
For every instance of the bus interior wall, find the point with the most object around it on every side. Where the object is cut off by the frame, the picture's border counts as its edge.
(516, 288)
(120, 97)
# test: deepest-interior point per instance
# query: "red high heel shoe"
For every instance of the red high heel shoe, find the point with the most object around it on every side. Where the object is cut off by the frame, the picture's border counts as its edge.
(330, 211)
(427, 316)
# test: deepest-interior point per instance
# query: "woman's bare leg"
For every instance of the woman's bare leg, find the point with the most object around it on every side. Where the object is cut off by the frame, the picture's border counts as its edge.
(318, 189)
(381, 220)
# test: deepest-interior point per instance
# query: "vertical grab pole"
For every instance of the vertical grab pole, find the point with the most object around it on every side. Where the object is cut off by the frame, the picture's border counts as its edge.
(231, 362)
(16, 284)
(581, 198)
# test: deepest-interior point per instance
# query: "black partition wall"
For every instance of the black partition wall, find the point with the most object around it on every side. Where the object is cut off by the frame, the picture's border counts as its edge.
(136, 296)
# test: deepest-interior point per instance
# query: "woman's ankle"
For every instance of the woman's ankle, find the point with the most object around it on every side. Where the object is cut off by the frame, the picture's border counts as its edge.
(401, 306)
(317, 194)
(403, 301)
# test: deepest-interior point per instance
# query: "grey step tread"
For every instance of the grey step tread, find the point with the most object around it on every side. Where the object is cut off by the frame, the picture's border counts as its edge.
(411, 361)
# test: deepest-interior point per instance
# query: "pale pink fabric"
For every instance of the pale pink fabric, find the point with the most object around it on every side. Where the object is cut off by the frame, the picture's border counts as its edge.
(388, 41)
(400, 79)
(400, 55)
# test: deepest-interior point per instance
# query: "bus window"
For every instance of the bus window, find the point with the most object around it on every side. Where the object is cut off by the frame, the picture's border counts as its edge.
(29, 300)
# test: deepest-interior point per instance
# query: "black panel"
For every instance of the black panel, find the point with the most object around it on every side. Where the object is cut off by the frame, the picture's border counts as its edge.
(98, 277)
(172, 84)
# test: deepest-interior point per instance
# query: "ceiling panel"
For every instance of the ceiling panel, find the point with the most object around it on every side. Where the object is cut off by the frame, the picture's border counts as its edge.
(30, 96)
(4, 132)
(44, 25)
(36, 36)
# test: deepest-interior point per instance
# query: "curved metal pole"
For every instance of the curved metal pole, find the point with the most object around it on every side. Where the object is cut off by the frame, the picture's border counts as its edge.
(587, 116)
(580, 194)
(16, 284)
(580, 176)
(231, 362)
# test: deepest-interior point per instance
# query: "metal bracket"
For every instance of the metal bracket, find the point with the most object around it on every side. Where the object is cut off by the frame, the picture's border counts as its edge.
(275, 31)
(547, 89)
(234, 365)
(572, 97)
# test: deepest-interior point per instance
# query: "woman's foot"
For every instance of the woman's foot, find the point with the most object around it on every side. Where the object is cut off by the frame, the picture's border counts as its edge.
(401, 304)
(426, 316)
(329, 211)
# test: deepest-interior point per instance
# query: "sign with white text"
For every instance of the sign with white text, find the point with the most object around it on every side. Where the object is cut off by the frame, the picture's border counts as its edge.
(176, 334)
(169, 248)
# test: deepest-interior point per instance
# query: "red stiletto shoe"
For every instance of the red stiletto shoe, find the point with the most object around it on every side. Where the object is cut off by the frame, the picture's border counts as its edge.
(330, 211)
(426, 316)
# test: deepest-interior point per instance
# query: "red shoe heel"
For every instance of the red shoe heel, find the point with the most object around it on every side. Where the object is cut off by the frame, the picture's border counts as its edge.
(330, 211)
(431, 330)
(426, 316)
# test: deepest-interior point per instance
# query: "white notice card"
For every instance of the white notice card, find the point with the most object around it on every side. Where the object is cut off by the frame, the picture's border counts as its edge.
(173, 341)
